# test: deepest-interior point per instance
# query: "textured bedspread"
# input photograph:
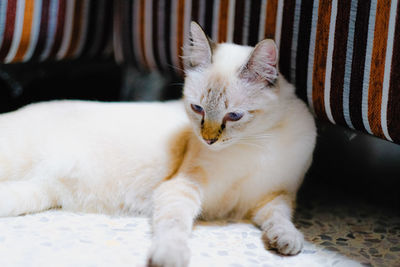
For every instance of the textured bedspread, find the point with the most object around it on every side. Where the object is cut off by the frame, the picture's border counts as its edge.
(58, 238)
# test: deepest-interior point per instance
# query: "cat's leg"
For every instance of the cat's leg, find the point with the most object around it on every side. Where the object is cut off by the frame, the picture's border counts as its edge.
(274, 219)
(27, 196)
(176, 204)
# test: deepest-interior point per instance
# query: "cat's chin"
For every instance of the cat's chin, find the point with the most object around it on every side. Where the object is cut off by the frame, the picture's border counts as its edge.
(214, 147)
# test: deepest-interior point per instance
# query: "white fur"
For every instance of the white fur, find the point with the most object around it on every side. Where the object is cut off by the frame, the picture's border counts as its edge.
(95, 157)
(116, 157)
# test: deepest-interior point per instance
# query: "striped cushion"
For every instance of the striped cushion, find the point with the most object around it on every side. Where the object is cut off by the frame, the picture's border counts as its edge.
(41, 30)
(343, 56)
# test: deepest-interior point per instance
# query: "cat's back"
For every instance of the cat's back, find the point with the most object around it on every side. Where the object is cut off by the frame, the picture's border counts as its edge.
(65, 127)
(90, 116)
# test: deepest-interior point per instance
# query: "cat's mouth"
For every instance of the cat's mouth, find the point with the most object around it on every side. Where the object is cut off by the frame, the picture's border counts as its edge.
(217, 143)
(210, 141)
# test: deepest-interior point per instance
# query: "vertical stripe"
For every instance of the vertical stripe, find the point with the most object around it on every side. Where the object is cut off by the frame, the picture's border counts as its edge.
(311, 54)
(169, 30)
(270, 20)
(378, 67)
(239, 21)
(321, 49)
(202, 12)
(83, 34)
(37, 48)
(295, 38)
(162, 34)
(75, 30)
(173, 33)
(26, 35)
(286, 43)
(367, 69)
(136, 33)
(9, 28)
(388, 64)
(93, 26)
(118, 32)
(223, 18)
(348, 64)
(215, 18)
(68, 28)
(328, 72)
(117, 29)
(36, 25)
(53, 27)
(303, 48)
(246, 22)
(195, 10)
(231, 21)
(278, 28)
(255, 9)
(339, 59)
(186, 30)
(148, 34)
(25, 38)
(352, 99)
(209, 16)
(181, 34)
(263, 15)
(17, 37)
(105, 47)
(155, 33)
(141, 30)
(3, 15)
(62, 21)
(128, 32)
(176, 39)
(393, 111)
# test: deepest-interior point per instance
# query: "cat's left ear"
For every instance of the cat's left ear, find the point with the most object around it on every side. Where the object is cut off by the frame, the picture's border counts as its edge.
(262, 64)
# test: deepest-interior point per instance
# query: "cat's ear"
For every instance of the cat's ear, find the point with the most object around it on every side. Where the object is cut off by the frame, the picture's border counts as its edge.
(262, 64)
(198, 51)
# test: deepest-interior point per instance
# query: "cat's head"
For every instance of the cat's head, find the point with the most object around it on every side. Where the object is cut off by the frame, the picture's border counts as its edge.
(231, 92)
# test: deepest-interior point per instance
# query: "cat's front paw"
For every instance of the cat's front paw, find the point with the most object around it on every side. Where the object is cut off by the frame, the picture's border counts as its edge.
(284, 237)
(169, 252)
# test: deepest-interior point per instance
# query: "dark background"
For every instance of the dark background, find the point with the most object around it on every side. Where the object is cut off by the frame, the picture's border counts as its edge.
(349, 167)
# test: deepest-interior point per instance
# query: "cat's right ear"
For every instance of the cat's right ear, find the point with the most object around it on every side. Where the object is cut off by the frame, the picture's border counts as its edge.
(262, 64)
(198, 51)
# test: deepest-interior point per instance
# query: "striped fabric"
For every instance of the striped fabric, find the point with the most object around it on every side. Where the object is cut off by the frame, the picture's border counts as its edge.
(39, 30)
(343, 56)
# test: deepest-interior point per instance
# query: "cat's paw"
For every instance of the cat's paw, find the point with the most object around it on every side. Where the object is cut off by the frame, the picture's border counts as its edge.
(284, 237)
(170, 252)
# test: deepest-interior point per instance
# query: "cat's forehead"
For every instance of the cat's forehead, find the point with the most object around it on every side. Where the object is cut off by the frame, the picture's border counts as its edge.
(228, 59)
(222, 91)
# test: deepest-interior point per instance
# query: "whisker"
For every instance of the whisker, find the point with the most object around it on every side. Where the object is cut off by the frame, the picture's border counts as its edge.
(242, 141)
(260, 135)
(175, 67)
(255, 138)
(250, 144)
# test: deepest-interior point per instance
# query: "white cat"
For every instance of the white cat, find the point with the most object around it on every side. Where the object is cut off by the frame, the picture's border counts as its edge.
(236, 146)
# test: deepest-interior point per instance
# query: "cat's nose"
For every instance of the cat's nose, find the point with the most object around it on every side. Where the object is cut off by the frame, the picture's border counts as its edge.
(211, 141)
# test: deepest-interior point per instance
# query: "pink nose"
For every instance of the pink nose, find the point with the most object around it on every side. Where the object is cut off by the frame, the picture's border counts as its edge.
(211, 141)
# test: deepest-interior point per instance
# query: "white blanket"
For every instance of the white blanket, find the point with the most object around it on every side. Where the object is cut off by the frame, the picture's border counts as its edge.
(58, 238)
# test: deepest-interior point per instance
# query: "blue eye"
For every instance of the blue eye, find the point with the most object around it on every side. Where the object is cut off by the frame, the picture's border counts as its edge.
(233, 116)
(197, 109)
